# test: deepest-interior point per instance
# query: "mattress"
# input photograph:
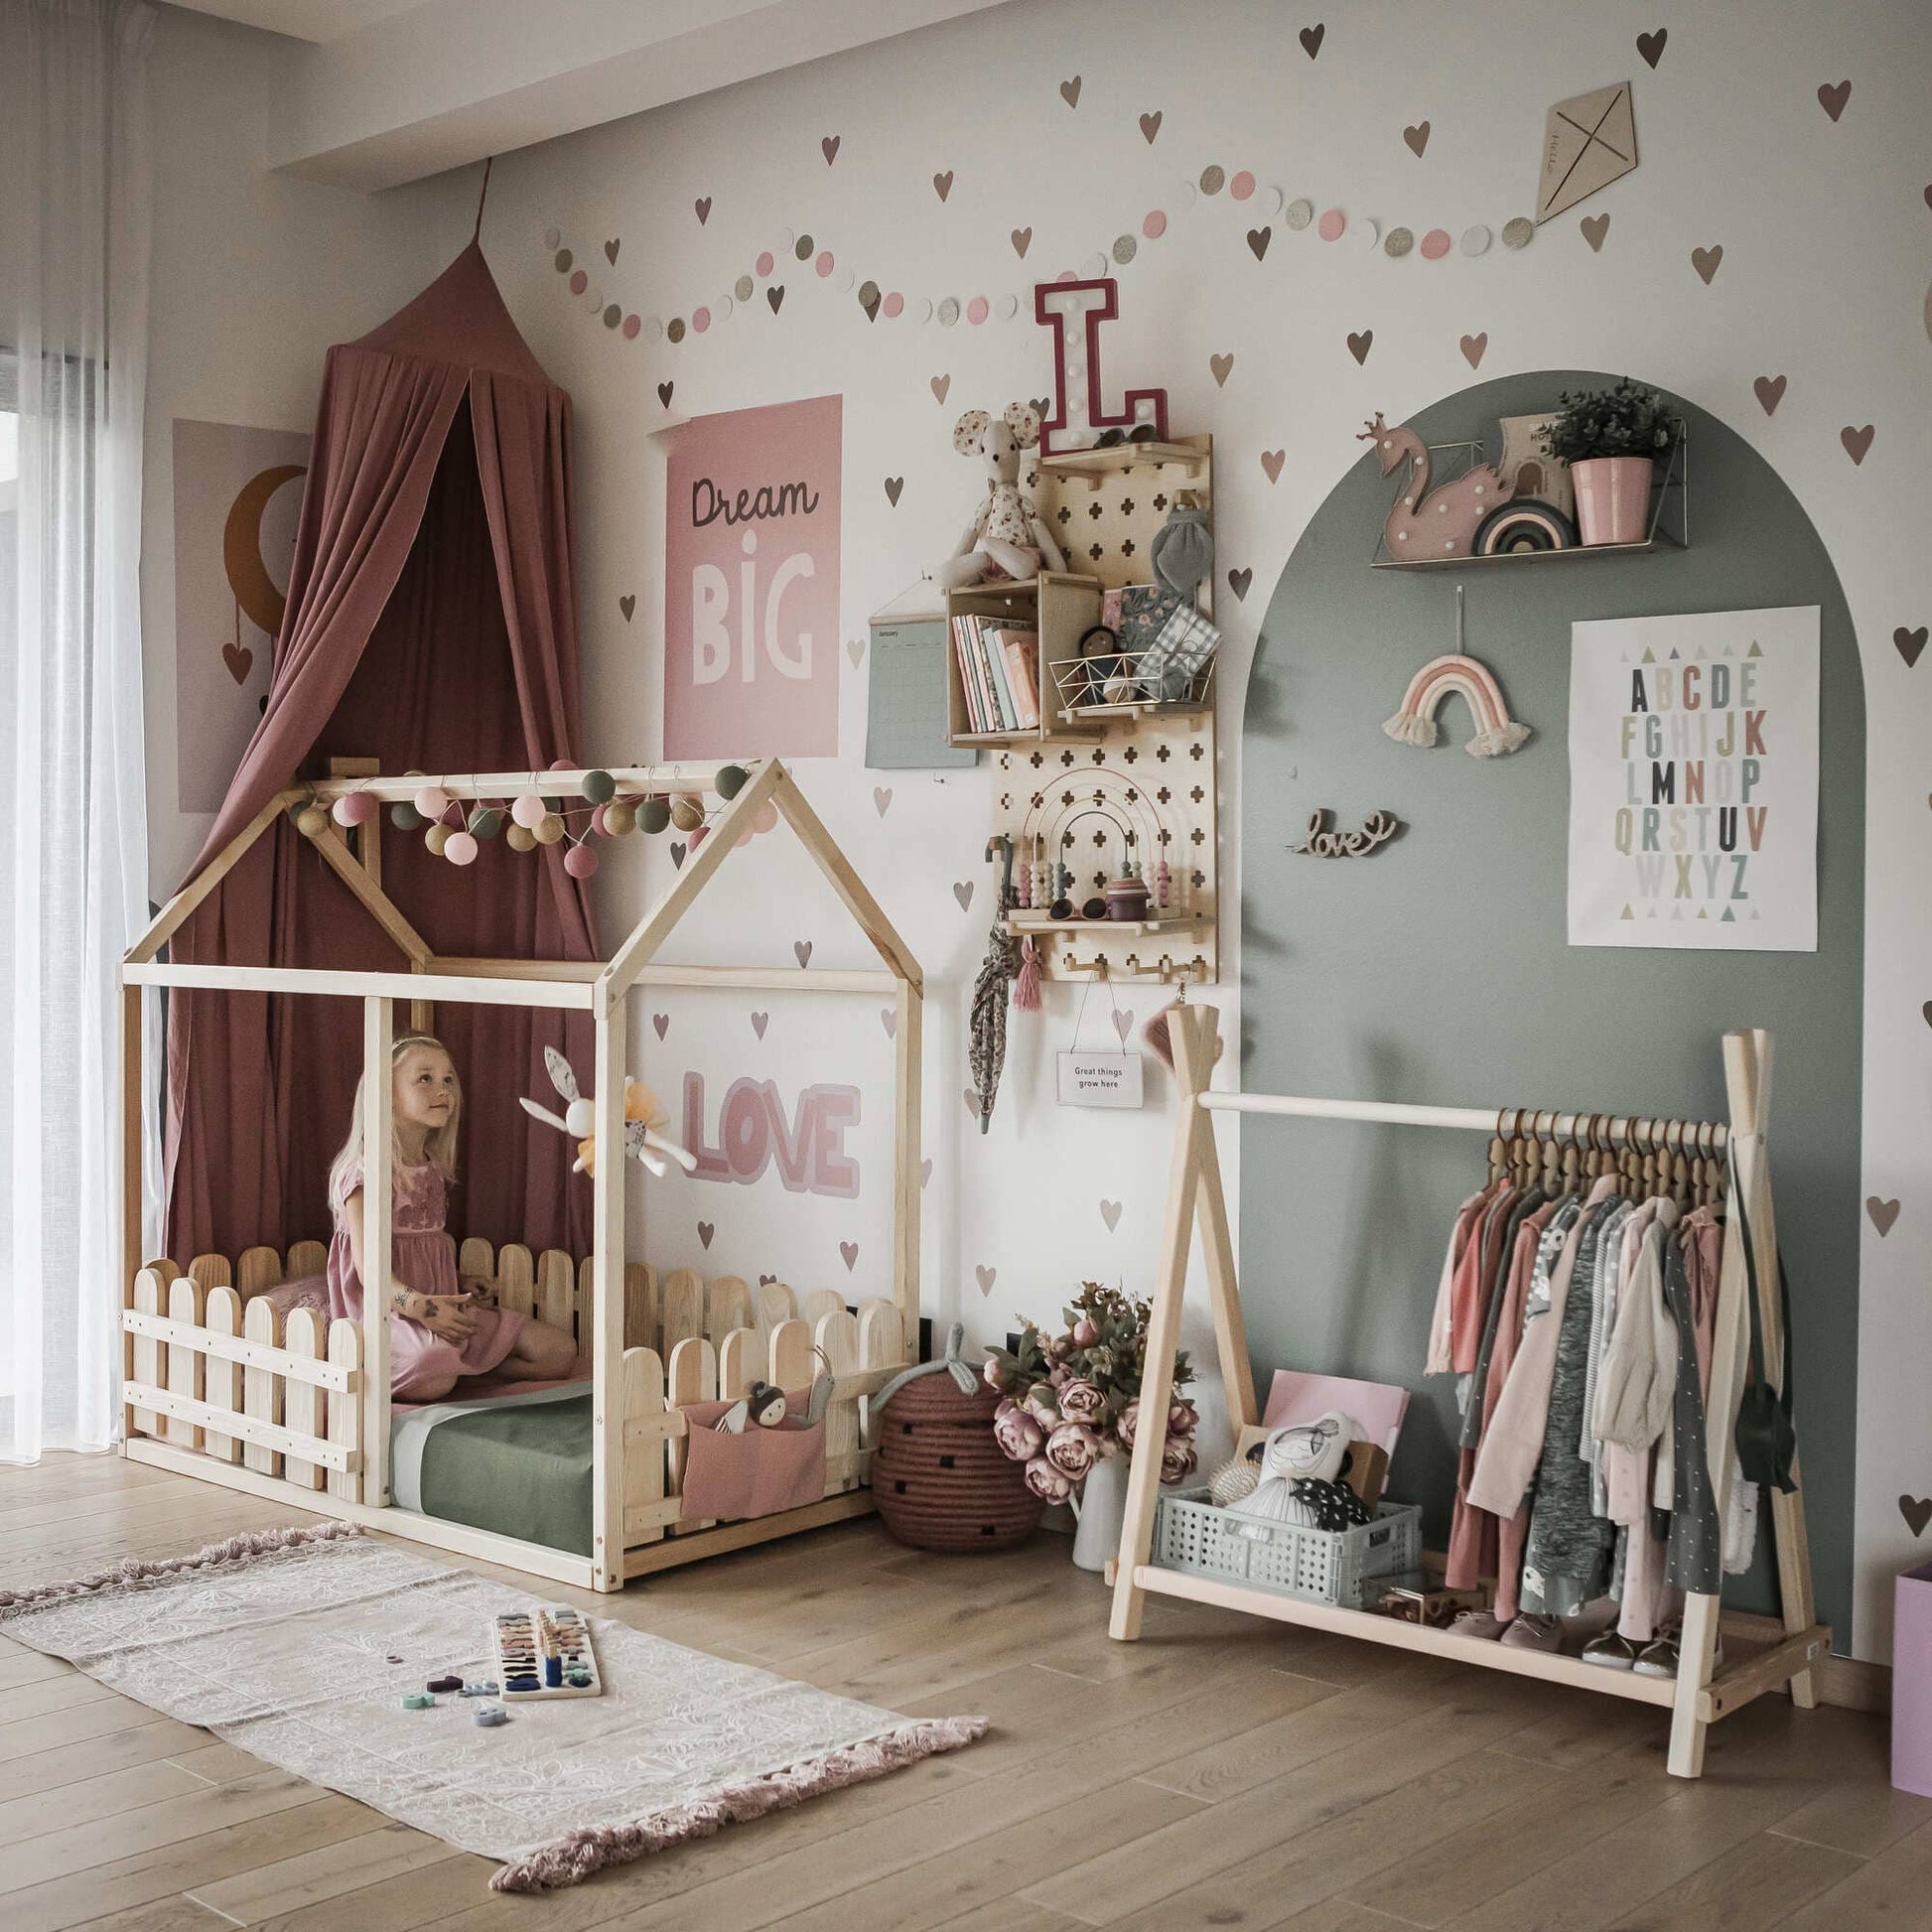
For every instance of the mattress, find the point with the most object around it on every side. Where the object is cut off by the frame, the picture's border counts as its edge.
(518, 1465)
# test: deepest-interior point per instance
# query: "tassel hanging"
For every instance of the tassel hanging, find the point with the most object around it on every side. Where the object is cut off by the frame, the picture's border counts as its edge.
(1026, 988)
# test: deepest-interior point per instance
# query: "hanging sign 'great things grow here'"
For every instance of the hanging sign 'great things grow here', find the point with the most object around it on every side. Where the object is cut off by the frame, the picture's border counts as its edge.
(751, 584)
(1694, 781)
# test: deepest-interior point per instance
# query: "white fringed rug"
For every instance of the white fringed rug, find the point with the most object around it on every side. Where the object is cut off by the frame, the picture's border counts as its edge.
(283, 1644)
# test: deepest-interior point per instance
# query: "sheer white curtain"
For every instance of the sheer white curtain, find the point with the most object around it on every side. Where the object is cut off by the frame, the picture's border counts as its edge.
(75, 197)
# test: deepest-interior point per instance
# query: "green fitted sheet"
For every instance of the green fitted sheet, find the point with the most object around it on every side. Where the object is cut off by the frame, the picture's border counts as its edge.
(517, 1464)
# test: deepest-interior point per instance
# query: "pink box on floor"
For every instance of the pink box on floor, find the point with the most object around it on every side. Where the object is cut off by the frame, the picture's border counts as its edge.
(1911, 1682)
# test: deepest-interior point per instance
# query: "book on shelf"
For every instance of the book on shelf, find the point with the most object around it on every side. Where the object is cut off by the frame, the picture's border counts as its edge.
(996, 671)
(1016, 649)
(962, 643)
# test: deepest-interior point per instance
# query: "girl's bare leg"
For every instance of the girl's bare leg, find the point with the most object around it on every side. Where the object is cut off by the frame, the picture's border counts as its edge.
(540, 1353)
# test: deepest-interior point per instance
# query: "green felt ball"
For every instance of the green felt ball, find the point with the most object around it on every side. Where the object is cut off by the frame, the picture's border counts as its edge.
(655, 814)
(404, 816)
(599, 787)
(555, 806)
(486, 822)
(730, 780)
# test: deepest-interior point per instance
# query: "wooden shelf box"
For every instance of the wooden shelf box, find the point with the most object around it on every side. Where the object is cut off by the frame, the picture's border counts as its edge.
(1058, 606)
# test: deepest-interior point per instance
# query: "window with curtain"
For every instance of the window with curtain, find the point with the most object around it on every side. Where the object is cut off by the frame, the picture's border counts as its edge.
(74, 194)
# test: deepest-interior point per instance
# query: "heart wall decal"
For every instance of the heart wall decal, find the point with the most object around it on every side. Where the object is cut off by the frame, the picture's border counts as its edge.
(1310, 39)
(1417, 138)
(1857, 441)
(1271, 464)
(882, 798)
(1596, 227)
(1651, 46)
(761, 1021)
(855, 648)
(963, 891)
(1909, 644)
(986, 1277)
(849, 1254)
(889, 1018)
(829, 147)
(776, 296)
(894, 485)
(1917, 1512)
(1359, 346)
(661, 1022)
(1769, 390)
(664, 393)
(1473, 348)
(1832, 96)
(239, 659)
(611, 250)
(1070, 91)
(706, 1230)
(1884, 1214)
(1706, 261)
(942, 184)
(801, 950)
(1258, 240)
(1110, 1213)
(1221, 368)
(1022, 240)
(940, 385)
(1151, 124)
(628, 603)
(1238, 582)
(703, 206)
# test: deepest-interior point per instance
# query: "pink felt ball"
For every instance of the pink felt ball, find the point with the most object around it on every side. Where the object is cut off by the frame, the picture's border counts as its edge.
(764, 817)
(698, 837)
(562, 765)
(432, 802)
(354, 808)
(461, 850)
(528, 810)
(597, 823)
(580, 862)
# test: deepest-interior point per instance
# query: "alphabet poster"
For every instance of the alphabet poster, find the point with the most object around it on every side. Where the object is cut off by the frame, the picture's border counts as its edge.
(1694, 781)
(751, 584)
(236, 494)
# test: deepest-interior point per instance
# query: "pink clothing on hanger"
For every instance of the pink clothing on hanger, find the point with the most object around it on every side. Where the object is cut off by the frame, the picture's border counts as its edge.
(1441, 1325)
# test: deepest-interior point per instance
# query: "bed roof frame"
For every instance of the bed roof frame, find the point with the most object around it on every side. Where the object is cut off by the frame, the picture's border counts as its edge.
(588, 986)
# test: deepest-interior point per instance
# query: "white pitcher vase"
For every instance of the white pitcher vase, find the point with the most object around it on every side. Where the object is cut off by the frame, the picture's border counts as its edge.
(1098, 1510)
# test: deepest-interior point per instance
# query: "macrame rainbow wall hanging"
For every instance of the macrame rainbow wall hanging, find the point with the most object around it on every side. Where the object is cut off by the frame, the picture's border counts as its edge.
(1497, 733)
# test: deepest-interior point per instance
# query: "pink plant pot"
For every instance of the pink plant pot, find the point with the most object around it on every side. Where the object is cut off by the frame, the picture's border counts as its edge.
(1613, 498)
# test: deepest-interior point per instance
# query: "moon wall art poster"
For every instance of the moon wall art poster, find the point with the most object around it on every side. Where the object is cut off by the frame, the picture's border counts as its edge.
(238, 493)
(1694, 781)
(751, 583)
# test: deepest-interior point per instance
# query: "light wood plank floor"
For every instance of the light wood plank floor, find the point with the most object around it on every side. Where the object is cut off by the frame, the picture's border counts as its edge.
(1220, 1772)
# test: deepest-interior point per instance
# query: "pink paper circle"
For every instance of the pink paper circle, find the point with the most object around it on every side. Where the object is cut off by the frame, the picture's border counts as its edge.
(578, 282)
(701, 319)
(631, 324)
(978, 309)
(894, 303)
(698, 837)
(1434, 244)
(824, 262)
(1067, 275)
(1332, 224)
(763, 263)
(1154, 225)
(1242, 186)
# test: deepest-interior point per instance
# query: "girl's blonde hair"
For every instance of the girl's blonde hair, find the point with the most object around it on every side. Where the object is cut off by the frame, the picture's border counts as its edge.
(439, 1146)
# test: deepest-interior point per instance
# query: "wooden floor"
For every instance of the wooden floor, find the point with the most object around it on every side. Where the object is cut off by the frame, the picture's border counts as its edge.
(1221, 1773)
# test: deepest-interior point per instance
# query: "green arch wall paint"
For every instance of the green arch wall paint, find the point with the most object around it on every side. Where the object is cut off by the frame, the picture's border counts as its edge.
(1435, 970)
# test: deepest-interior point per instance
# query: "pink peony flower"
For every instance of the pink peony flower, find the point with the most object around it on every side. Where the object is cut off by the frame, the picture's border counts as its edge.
(1019, 1435)
(1046, 1482)
(1072, 1448)
(1182, 1418)
(1086, 1333)
(1130, 1418)
(1039, 1404)
(1059, 1375)
(1177, 1459)
(1007, 1407)
(990, 1374)
(1081, 1400)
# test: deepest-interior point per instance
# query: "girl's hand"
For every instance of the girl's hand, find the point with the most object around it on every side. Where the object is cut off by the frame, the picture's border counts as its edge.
(480, 1291)
(449, 1319)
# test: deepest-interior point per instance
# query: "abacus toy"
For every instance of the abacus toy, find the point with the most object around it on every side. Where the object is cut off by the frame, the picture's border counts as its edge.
(546, 1653)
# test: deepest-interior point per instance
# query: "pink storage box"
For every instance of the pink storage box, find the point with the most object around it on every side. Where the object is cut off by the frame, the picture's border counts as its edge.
(1911, 1682)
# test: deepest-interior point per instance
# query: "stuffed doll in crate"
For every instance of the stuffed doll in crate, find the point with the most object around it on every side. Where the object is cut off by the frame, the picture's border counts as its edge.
(1007, 538)
(1302, 1484)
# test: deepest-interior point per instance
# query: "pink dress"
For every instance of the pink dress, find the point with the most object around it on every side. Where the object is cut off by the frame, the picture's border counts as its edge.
(424, 1258)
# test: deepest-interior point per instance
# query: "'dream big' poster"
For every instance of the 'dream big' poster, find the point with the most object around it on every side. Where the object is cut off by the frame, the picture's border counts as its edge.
(751, 584)
(1694, 781)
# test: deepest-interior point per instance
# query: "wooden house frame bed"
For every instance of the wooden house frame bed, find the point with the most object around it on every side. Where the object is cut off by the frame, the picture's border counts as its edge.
(217, 1386)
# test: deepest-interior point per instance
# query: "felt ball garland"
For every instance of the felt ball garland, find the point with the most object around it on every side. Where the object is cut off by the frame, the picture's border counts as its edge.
(519, 838)
(354, 808)
(312, 821)
(460, 848)
(437, 838)
(655, 814)
(404, 816)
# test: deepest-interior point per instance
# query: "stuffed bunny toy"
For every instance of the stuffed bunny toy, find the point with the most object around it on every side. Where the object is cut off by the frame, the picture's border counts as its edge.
(1007, 536)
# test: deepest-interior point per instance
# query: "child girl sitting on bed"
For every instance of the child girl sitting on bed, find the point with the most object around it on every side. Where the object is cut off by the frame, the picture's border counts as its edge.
(440, 1329)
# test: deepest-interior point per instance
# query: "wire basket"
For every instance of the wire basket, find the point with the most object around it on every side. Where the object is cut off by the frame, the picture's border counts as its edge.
(1110, 685)
(1191, 1533)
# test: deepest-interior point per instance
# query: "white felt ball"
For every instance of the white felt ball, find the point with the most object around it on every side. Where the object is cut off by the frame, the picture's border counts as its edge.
(461, 850)
(354, 808)
(528, 810)
(432, 802)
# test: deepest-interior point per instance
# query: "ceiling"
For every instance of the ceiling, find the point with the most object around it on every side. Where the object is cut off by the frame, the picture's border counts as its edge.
(386, 91)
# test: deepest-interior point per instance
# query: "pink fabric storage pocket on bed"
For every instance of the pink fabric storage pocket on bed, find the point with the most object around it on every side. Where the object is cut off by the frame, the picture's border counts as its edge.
(757, 1474)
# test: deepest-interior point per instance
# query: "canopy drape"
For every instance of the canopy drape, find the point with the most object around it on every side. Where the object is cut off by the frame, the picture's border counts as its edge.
(431, 624)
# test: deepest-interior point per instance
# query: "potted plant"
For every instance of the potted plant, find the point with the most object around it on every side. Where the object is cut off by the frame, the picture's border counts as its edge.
(1611, 438)
(1070, 1409)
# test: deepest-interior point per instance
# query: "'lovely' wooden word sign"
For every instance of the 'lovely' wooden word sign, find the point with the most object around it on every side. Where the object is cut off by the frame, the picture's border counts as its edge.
(1378, 828)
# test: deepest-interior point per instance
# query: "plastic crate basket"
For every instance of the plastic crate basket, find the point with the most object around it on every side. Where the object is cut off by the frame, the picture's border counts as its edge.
(1330, 1565)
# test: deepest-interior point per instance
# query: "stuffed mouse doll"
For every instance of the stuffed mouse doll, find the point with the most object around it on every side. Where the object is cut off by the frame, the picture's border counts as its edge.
(1007, 537)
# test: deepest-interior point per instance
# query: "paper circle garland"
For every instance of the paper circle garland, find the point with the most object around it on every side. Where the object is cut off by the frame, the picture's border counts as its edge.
(550, 829)
(437, 838)
(404, 816)
(484, 822)
(519, 838)
(460, 848)
(687, 814)
(580, 862)
(354, 808)
(655, 814)
(432, 802)
(599, 785)
(527, 809)
(730, 780)
(619, 817)
(312, 821)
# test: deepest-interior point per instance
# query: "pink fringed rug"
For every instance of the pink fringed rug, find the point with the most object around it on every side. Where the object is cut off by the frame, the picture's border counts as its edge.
(298, 1645)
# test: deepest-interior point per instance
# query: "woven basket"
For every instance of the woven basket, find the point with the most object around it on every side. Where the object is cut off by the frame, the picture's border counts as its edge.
(940, 1480)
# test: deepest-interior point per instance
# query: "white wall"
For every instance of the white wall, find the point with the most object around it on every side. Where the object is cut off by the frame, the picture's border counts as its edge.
(254, 275)
(1822, 225)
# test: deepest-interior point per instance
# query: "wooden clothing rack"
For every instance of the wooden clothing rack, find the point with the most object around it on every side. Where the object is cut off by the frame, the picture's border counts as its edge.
(1698, 1696)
